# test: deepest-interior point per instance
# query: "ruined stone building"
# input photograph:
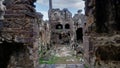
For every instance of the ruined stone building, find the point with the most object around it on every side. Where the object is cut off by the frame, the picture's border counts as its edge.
(61, 25)
(65, 29)
(19, 34)
(79, 22)
(102, 34)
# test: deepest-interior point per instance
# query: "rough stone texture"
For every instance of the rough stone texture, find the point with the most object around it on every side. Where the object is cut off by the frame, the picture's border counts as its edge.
(102, 34)
(79, 19)
(21, 25)
(44, 45)
(79, 22)
(64, 27)
(61, 26)
(2, 9)
(21, 59)
(102, 50)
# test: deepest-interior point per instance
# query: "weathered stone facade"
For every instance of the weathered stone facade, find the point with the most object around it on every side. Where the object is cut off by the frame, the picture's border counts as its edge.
(79, 22)
(102, 34)
(44, 38)
(45, 33)
(19, 35)
(61, 26)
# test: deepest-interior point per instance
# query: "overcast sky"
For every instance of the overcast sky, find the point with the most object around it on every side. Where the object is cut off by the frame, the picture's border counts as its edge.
(72, 5)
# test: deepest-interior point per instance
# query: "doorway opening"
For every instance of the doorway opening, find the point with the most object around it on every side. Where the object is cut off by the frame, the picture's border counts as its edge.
(79, 34)
(7, 50)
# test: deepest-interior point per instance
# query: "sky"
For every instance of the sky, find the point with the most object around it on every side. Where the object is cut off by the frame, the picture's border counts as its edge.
(72, 5)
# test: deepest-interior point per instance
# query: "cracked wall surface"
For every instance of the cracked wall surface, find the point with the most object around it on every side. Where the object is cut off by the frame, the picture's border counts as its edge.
(20, 25)
(61, 26)
(101, 35)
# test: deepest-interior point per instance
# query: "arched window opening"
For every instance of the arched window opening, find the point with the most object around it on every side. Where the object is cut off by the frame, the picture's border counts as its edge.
(59, 26)
(67, 26)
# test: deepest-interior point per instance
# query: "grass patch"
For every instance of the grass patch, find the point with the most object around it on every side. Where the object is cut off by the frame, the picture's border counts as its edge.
(51, 60)
(85, 66)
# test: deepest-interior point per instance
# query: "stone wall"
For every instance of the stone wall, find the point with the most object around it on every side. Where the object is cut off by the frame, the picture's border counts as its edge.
(102, 34)
(20, 25)
(61, 26)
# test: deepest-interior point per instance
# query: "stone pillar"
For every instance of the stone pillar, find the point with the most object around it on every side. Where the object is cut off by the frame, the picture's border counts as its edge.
(36, 53)
(50, 4)
(86, 49)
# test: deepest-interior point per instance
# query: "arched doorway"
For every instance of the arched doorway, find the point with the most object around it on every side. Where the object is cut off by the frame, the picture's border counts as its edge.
(79, 34)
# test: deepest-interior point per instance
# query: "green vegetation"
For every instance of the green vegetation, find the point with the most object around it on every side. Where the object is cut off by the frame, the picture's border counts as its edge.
(51, 60)
(85, 66)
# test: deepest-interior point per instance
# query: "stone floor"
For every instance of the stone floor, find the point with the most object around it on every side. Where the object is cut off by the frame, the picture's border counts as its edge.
(67, 58)
(61, 66)
(66, 55)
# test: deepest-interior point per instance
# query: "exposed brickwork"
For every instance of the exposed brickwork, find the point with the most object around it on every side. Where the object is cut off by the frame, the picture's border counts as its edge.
(21, 25)
(101, 34)
(61, 26)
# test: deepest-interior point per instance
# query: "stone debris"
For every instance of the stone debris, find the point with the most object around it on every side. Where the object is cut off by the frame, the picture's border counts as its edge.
(63, 52)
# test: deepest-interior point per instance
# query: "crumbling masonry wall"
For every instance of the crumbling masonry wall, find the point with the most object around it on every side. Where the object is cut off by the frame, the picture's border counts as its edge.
(19, 35)
(102, 34)
(61, 26)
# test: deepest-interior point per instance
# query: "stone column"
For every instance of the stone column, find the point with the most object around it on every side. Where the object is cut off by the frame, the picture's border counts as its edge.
(50, 4)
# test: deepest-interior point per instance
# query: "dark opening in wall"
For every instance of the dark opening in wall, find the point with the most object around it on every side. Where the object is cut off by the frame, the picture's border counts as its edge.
(106, 53)
(59, 26)
(79, 34)
(117, 13)
(67, 26)
(101, 15)
(6, 50)
(68, 34)
(60, 36)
